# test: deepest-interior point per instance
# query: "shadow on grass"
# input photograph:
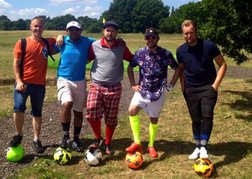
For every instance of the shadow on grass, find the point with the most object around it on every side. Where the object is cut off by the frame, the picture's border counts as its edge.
(242, 105)
(232, 151)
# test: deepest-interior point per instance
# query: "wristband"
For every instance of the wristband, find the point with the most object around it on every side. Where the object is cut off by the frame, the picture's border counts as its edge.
(168, 87)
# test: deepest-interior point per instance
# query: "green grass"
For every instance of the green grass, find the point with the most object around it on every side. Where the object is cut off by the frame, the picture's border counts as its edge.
(230, 147)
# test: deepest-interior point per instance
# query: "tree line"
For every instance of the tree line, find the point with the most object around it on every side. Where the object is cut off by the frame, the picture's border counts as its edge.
(228, 23)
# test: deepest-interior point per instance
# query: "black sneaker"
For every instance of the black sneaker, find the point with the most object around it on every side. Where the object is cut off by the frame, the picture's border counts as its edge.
(65, 143)
(16, 140)
(109, 150)
(98, 143)
(37, 147)
(76, 145)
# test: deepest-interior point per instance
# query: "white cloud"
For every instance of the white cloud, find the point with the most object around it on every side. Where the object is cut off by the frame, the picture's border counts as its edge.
(59, 2)
(4, 4)
(69, 11)
(27, 13)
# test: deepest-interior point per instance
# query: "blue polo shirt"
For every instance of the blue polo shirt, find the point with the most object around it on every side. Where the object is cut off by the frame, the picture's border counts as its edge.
(198, 61)
(74, 57)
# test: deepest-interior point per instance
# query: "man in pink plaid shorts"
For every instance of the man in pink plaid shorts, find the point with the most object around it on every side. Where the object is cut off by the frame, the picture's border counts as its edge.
(106, 89)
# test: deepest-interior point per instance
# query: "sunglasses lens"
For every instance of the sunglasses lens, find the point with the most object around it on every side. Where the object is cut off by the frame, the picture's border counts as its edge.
(73, 29)
(150, 37)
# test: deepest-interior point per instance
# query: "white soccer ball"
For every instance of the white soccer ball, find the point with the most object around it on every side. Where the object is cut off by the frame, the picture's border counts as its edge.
(93, 156)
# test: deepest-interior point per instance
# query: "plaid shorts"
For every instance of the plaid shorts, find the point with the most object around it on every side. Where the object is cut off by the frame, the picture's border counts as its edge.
(104, 100)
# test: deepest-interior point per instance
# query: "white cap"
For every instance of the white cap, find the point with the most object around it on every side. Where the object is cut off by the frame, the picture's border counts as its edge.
(73, 24)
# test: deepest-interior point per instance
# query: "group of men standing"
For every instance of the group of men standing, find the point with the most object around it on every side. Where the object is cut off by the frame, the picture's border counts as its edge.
(194, 66)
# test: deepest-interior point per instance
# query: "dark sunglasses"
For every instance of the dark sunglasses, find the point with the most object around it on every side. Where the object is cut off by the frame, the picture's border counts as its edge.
(73, 29)
(150, 37)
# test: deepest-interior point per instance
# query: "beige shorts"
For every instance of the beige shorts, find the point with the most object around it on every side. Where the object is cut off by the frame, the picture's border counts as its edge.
(72, 91)
(152, 108)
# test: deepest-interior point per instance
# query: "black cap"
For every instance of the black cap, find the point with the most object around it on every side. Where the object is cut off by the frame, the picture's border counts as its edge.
(151, 32)
(110, 23)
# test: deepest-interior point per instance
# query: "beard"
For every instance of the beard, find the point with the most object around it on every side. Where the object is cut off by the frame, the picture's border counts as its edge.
(109, 38)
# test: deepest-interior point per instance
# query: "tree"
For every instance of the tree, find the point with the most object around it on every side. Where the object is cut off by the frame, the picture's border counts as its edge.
(4, 22)
(229, 25)
(193, 11)
(60, 22)
(148, 13)
(120, 11)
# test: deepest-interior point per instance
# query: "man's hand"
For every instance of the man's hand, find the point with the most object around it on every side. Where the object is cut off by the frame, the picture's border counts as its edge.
(20, 86)
(136, 87)
(59, 40)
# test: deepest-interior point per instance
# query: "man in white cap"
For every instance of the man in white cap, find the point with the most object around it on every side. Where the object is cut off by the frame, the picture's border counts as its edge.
(71, 83)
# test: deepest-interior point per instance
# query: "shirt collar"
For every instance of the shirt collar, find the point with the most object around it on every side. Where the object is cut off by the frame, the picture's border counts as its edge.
(103, 44)
(68, 39)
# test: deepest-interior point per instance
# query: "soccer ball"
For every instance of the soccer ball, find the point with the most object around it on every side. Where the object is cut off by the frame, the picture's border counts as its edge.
(62, 156)
(15, 154)
(134, 160)
(93, 156)
(203, 167)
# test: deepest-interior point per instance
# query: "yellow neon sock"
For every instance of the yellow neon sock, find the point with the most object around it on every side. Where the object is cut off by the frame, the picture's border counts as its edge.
(135, 127)
(152, 134)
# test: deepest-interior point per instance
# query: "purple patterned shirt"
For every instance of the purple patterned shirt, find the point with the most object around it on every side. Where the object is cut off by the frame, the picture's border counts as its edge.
(153, 70)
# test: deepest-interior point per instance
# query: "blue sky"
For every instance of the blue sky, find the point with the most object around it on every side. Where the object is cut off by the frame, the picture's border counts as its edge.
(27, 9)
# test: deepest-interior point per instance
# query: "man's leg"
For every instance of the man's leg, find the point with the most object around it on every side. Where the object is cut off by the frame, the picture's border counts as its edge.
(78, 119)
(18, 119)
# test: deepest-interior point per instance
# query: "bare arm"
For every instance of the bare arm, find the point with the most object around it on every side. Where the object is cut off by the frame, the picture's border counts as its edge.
(17, 73)
(221, 72)
(132, 79)
(182, 77)
(176, 75)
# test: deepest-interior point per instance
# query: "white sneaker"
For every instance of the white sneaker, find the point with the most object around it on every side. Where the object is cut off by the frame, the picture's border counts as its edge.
(195, 154)
(203, 153)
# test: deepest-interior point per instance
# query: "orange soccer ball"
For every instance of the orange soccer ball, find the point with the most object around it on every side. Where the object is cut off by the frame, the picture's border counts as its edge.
(203, 167)
(134, 160)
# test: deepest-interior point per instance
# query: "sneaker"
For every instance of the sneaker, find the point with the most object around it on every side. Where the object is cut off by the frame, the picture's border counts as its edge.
(203, 153)
(134, 147)
(76, 145)
(152, 151)
(16, 140)
(65, 143)
(37, 147)
(195, 154)
(109, 150)
(97, 143)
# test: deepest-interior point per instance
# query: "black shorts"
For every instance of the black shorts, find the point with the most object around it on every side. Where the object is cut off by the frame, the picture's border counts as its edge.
(201, 101)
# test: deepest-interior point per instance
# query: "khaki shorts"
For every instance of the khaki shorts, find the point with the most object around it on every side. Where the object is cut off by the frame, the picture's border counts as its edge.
(72, 91)
(152, 108)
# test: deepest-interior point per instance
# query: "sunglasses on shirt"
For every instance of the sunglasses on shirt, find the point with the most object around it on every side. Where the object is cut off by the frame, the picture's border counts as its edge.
(150, 37)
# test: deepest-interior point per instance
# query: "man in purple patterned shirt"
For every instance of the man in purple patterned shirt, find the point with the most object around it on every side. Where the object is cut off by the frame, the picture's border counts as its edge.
(153, 62)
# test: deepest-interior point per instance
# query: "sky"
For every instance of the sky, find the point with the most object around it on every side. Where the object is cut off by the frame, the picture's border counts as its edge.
(27, 9)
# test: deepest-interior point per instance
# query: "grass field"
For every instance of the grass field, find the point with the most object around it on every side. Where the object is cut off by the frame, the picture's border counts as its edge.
(230, 146)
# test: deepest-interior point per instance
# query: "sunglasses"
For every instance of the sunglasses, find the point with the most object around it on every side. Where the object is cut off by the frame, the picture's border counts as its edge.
(73, 29)
(150, 37)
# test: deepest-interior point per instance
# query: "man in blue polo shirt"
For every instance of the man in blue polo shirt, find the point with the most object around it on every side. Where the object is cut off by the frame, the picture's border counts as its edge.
(71, 83)
(200, 83)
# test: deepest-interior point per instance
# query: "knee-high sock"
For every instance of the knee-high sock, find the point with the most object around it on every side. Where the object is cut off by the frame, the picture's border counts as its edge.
(135, 127)
(196, 128)
(96, 127)
(66, 128)
(109, 134)
(206, 129)
(152, 134)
